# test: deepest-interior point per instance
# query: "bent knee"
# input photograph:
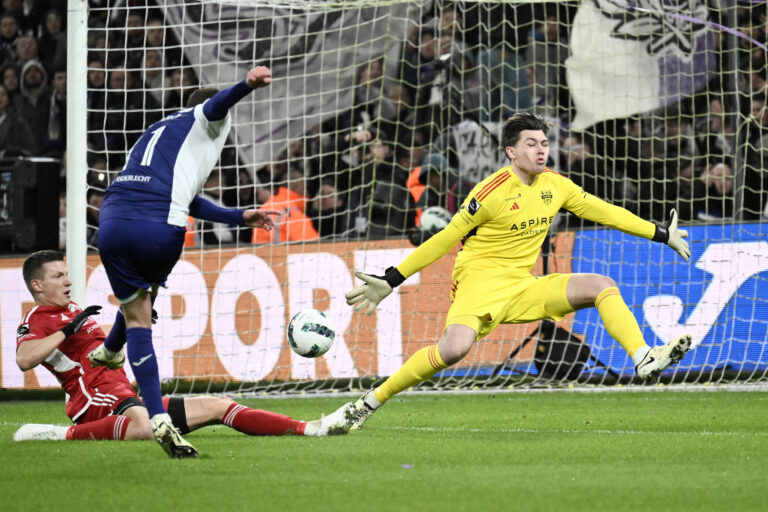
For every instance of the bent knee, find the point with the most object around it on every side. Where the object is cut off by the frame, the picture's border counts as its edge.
(603, 282)
(139, 430)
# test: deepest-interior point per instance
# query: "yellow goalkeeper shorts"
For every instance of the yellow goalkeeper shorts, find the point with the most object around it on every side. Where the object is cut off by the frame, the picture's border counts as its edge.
(483, 299)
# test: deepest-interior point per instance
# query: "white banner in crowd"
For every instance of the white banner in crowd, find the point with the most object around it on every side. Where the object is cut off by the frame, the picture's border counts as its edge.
(314, 56)
(633, 56)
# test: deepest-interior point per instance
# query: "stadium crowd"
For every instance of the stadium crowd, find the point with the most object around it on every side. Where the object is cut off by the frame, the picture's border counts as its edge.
(421, 131)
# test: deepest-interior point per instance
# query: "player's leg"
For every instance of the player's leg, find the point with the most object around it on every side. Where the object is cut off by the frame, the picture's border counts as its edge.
(192, 413)
(454, 344)
(139, 426)
(127, 420)
(587, 290)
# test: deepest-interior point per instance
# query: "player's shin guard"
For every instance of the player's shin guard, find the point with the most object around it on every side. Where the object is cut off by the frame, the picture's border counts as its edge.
(116, 337)
(111, 427)
(619, 320)
(256, 422)
(419, 367)
(141, 354)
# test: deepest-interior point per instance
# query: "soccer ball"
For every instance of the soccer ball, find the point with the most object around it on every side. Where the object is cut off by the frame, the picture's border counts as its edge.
(310, 333)
(434, 218)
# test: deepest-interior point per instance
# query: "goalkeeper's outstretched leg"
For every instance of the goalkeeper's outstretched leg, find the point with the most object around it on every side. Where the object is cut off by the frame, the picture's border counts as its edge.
(587, 290)
(454, 344)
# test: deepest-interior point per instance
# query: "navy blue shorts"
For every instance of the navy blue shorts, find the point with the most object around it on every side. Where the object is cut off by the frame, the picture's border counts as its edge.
(138, 255)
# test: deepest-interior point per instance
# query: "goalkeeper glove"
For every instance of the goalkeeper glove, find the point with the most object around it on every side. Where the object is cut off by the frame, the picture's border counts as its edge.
(375, 289)
(673, 237)
(75, 325)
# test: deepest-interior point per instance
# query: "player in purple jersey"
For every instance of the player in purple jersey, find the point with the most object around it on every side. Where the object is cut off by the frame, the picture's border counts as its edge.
(141, 230)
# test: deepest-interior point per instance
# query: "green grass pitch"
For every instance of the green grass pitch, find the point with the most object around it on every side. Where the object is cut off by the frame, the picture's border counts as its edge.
(614, 451)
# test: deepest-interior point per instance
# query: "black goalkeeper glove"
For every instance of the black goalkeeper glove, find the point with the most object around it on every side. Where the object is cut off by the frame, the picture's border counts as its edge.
(75, 325)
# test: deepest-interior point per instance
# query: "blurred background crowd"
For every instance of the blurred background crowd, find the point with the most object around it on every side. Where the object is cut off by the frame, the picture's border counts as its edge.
(421, 131)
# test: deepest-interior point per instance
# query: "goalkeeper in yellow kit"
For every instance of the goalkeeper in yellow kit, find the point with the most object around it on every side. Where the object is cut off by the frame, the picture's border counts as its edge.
(502, 224)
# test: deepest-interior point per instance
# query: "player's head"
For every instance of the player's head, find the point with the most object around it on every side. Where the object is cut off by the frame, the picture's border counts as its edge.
(524, 138)
(47, 278)
(200, 96)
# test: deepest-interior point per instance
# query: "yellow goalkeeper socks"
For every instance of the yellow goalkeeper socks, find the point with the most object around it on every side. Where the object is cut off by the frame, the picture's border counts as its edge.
(419, 367)
(619, 320)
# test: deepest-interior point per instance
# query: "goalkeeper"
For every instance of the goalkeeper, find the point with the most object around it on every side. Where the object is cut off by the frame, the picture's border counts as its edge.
(502, 225)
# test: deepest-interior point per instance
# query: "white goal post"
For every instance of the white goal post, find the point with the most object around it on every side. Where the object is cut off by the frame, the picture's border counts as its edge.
(651, 107)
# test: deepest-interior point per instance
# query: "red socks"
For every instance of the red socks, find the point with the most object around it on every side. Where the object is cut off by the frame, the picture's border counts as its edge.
(256, 422)
(111, 427)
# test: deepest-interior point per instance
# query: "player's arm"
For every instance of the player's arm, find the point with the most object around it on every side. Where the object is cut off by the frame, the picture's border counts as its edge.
(592, 208)
(33, 351)
(376, 288)
(202, 208)
(216, 108)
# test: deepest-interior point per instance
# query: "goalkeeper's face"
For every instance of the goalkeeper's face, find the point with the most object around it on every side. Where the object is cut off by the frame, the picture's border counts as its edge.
(530, 153)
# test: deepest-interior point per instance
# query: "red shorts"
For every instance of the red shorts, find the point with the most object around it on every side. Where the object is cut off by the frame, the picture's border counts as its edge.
(104, 399)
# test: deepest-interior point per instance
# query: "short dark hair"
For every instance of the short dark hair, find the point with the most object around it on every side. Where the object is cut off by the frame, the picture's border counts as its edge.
(510, 134)
(200, 96)
(33, 265)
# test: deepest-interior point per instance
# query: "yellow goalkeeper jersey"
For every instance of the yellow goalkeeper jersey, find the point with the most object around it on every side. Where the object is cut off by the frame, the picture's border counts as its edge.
(503, 222)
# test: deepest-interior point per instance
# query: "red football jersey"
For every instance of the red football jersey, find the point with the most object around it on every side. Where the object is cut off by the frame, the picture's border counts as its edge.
(85, 386)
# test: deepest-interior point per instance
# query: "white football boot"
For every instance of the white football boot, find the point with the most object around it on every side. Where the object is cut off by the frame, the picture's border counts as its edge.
(657, 359)
(335, 424)
(40, 432)
(99, 357)
(169, 438)
(361, 410)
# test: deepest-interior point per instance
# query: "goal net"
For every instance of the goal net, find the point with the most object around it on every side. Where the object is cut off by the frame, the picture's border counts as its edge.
(378, 110)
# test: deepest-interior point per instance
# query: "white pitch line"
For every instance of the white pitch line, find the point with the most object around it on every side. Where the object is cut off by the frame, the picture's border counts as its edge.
(574, 431)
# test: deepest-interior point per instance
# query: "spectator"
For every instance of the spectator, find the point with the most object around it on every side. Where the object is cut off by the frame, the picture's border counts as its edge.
(504, 84)
(292, 224)
(26, 51)
(714, 135)
(56, 140)
(379, 199)
(183, 82)
(52, 44)
(712, 195)
(371, 101)
(97, 105)
(9, 35)
(159, 38)
(755, 173)
(15, 135)
(16, 9)
(33, 104)
(328, 211)
(578, 161)
(546, 54)
(134, 40)
(10, 79)
(153, 75)
(129, 111)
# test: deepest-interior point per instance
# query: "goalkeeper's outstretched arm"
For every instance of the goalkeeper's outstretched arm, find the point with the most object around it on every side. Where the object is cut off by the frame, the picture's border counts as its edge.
(376, 288)
(591, 208)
